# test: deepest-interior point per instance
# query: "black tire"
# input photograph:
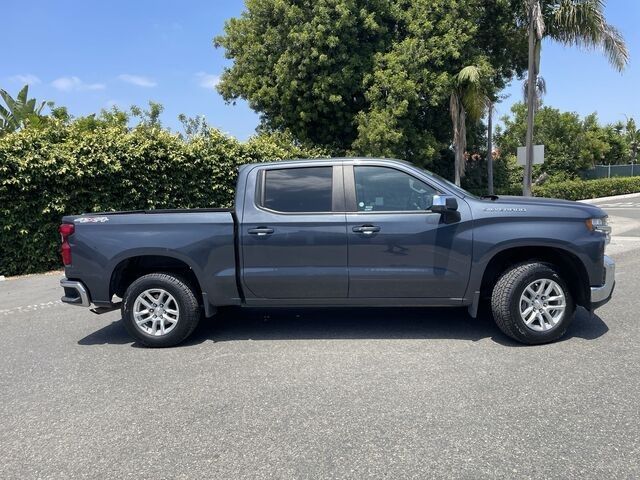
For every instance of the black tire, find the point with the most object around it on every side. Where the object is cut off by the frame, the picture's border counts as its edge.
(179, 288)
(505, 303)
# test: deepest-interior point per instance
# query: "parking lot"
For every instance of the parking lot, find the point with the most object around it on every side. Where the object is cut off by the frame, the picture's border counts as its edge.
(340, 393)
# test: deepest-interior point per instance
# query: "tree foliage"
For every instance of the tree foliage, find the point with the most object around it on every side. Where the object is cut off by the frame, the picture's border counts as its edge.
(571, 143)
(366, 77)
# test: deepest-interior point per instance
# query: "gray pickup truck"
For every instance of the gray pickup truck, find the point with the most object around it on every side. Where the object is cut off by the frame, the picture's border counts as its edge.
(342, 232)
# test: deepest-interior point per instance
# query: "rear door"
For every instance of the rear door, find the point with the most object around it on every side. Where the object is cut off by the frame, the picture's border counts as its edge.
(397, 247)
(293, 232)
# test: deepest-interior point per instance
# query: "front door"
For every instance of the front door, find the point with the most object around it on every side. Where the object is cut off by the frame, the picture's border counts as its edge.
(294, 241)
(397, 247)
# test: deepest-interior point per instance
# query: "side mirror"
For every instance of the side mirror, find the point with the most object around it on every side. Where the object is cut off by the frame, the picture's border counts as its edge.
(444, 203)
(447, 206)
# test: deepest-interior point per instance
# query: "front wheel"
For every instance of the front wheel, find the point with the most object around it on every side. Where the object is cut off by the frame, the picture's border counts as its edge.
(160, 310)
(532, 304)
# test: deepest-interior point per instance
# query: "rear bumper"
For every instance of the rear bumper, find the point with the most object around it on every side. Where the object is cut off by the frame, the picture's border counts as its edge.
(602, 294)
(75, 293)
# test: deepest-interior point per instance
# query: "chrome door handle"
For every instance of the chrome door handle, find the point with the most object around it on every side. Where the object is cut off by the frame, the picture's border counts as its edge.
(366, 229)
(260, 231)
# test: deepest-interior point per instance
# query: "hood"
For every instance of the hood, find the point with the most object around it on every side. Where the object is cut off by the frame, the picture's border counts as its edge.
(538, 204)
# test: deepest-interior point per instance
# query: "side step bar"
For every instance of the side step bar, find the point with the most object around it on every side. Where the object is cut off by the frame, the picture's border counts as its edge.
(101, 310)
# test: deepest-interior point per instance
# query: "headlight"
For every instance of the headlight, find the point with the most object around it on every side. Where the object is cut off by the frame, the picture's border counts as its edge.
(600, 225)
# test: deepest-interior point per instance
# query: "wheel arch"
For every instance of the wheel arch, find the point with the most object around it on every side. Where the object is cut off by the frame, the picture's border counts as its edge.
(565, 262)
(134, 266)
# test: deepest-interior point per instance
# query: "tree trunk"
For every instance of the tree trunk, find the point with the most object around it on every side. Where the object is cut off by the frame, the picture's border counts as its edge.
(490, 149)
(461, 144)
(531, 104)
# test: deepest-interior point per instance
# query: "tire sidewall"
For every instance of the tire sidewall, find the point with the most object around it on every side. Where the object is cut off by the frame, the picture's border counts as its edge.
(514, 307)
(184, 325)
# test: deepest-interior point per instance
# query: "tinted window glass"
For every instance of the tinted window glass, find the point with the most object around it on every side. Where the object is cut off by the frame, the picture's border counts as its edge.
(388, 189)
(298, 189)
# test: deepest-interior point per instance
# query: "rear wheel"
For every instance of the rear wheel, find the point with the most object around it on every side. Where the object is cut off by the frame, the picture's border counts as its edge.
(160, 310)
(532, 304)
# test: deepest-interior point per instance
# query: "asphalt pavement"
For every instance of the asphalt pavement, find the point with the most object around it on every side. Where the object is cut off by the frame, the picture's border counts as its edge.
(311, 394)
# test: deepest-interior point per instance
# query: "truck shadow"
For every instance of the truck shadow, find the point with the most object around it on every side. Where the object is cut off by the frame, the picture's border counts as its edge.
(235, 324)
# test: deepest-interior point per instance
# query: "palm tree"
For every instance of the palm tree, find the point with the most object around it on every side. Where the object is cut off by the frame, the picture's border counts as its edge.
(571, 22)
(19, 110)
(468, 100)
(540, 91)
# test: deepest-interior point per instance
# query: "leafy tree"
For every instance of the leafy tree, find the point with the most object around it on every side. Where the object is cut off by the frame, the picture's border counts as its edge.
(366, 77)
(194, 126)
(571, 22)
(148, 118)
(18, 111)
(572, 144)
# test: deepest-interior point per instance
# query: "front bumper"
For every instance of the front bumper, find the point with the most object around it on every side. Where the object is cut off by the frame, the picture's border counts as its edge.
(75, 293)
(601, 295)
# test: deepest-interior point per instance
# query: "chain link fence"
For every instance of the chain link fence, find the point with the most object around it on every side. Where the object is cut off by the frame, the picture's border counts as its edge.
(608, 171)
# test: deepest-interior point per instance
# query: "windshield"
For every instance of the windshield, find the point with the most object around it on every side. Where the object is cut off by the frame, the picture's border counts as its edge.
(450, 185)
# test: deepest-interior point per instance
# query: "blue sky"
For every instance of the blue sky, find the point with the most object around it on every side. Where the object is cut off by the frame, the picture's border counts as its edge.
(89, 55)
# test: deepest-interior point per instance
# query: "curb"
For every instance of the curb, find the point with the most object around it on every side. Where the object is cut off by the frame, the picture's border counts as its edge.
(615, 197)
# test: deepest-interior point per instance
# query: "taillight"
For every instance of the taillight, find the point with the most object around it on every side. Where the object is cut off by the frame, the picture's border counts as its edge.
(66, 230)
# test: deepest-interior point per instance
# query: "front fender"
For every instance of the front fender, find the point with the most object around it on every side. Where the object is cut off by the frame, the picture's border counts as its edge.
(491, 238)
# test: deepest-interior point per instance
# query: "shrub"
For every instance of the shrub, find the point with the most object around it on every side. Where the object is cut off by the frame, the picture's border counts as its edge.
(63, 169)
(582, 189)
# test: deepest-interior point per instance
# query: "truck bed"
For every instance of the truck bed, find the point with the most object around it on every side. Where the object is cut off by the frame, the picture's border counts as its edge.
(201, 239)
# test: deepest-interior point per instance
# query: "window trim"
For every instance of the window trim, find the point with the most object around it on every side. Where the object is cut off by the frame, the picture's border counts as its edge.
(337, 189)
(350, 191)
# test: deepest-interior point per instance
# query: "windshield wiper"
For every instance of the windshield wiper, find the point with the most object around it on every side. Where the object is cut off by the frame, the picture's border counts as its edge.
(490, 197)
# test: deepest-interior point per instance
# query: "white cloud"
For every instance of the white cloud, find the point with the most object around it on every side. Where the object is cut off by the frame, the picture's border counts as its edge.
(207, 80)
(68, 84)
(138, 80)
(27, 78)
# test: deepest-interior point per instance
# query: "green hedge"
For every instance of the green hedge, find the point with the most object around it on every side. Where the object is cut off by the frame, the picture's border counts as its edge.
(575, 189)
(582, 189)
(64, 169)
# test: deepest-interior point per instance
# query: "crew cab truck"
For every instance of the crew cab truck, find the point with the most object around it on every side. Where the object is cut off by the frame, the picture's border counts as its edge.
(342, 232)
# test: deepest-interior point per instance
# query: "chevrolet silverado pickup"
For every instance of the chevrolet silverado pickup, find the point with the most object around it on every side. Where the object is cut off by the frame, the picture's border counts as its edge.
(342, 232)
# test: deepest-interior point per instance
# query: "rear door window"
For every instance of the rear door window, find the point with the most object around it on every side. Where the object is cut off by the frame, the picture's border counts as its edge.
(306, 189)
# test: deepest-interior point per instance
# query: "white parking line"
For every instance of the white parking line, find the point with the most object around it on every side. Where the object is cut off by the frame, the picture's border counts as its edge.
(620, 205)
(31, 308)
